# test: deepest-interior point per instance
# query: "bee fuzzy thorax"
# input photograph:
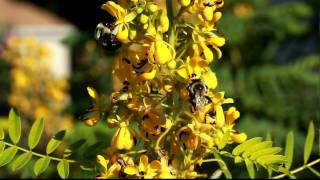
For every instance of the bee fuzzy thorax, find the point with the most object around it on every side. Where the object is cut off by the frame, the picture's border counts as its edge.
(105, 34)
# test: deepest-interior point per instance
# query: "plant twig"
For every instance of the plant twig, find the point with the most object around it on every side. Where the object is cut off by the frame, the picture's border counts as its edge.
(298, 169)
(40, 155)
(171, 32)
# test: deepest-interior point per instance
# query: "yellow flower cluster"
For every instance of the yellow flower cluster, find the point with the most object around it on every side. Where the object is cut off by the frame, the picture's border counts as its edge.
(167, 113)
(34, 90)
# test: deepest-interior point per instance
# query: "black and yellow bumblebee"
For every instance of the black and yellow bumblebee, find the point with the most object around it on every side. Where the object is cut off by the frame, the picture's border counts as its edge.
(105, 34)
(197, 95)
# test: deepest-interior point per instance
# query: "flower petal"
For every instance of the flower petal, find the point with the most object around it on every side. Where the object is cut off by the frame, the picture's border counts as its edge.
(220, 116)
(113, 9)
(131, 170)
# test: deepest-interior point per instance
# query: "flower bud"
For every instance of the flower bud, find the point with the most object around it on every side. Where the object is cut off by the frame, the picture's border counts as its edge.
(217, 16)
(132, 34)
(143, 18)
(164, 22)
(152, 8)
(151, 30)
(139, 10)
(172, 64)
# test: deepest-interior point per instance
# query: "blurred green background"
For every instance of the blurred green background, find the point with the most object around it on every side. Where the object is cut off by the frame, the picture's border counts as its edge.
(270, 66)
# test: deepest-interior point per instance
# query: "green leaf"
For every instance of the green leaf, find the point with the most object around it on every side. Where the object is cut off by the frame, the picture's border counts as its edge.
(223, 167)
(240, 148)
(250, 168)
(7, 155)
(41, 165)
(63, 169)
(267, 151)
(21, 161)
(1, 133)
(289, 150)
(2, 146)
(254, 148)
(224, 140)
(14, 126)
(55, 141)
(309, 142)
(269, 173)
(315, 172)
(271, 159)
(35, 133)
(291, 176)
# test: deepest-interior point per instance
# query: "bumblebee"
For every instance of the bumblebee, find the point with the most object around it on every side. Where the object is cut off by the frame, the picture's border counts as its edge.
(209, 3)
(105, 34)
(197, 94)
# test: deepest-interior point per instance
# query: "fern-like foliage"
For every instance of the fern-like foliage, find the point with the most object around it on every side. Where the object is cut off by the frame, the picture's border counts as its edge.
(289, 152)
(9, 151)
(255, 152)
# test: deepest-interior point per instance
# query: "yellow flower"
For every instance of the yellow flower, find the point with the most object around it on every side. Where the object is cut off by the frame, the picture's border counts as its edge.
(154, 123)
(216, 107)
(195, 133)
(124, 138)
(199, 47)
(144, 169)
(208, 8)
(123, 70)
(203, 38)
(209, 79)
(188, 139)
(231, 115)
(123, 18)
(216, 41)
(150, 74)
(108, 171)
(165, 172)
(180, 166)
(193, 68)
(160, 51)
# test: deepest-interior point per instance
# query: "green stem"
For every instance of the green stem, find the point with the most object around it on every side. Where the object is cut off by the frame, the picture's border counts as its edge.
(171, 32)
(157, 147)
(40, 155)
(298, 169)
(136, 152)
(212, 160)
